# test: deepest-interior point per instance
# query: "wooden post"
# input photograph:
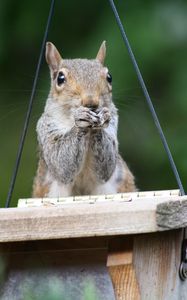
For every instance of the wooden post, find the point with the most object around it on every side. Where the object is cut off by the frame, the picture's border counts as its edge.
(157, 259)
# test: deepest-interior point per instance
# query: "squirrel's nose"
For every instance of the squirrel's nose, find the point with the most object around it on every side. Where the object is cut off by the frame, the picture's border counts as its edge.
(92, 105)
(90, 102)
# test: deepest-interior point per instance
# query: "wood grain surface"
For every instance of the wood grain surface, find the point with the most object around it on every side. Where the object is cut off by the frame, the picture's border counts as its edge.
(156, 258)
(127, 214)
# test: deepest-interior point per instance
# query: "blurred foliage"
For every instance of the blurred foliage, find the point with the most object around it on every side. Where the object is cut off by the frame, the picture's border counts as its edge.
(54, 290)
(157, 32)
(51, 288)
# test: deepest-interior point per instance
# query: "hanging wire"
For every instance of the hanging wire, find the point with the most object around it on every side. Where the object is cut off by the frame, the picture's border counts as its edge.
(148, 99)
(30, 105)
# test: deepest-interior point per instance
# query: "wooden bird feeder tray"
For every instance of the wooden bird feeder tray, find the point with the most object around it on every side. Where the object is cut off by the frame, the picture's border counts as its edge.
(136, 236)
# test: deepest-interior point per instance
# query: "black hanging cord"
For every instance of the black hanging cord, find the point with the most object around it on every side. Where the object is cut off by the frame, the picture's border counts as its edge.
(148, 99)
(30, 105)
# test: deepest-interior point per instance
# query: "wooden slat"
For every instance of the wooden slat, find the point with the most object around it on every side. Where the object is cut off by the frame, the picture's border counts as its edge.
(124, 282)
(121, 269)
(156, 258)
(91, 199)
(79, 219)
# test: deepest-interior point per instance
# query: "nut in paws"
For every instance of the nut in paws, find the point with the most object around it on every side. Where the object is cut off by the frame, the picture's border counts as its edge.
(85, 117)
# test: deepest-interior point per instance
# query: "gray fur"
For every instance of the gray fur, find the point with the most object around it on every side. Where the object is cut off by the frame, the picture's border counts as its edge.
(77, 132)
(63, 153)
(104, 151)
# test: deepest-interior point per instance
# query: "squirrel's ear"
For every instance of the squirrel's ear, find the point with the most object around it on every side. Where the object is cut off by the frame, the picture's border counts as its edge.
(52, 56)
(102, 52)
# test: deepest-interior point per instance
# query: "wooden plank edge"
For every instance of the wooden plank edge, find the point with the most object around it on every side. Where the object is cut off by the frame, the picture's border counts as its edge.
(73, 220)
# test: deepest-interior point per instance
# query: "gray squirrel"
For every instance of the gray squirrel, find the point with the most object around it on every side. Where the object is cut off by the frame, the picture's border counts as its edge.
(77, 133)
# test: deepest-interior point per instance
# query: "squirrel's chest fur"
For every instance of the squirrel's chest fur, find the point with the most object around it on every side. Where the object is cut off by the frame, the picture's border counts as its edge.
(84, 183)
(100, 168)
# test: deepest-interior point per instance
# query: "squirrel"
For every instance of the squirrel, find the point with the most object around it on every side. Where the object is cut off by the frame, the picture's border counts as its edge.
(77, 133)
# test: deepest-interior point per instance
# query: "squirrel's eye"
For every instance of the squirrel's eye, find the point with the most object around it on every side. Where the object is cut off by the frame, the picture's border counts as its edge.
(109, 78)
(60, 78)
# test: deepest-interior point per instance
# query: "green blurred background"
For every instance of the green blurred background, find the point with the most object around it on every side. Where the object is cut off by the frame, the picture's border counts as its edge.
(157, 31)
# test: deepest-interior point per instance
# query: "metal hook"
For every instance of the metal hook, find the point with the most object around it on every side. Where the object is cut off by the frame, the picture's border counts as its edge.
(183, 265)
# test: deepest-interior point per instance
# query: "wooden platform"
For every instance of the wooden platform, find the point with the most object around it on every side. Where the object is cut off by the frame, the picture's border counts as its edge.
(135, 238)
(88, 216)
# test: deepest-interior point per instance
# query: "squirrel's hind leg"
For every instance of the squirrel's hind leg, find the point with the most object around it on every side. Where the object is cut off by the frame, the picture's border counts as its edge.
(125, 179)
(46, 186)
(40, 184)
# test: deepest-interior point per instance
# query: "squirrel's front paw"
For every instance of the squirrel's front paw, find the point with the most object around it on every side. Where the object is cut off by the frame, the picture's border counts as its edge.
(104, 117)
(84, 117)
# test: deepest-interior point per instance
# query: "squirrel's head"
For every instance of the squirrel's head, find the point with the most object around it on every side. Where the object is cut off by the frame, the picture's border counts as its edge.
(79, 81)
